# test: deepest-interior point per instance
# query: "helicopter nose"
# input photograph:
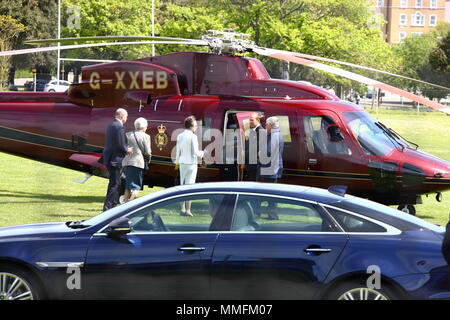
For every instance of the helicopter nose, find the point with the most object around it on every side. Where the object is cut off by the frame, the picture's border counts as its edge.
(420, 167)
(438, 179)
(441, 170)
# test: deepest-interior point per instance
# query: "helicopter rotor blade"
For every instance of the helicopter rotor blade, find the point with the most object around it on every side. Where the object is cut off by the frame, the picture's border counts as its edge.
(350, 75)
(311, 57)
(103, 38)
(103, 44)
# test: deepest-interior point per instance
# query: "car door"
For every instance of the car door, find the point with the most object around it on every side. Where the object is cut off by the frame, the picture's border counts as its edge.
(165, 256)
(278, 248)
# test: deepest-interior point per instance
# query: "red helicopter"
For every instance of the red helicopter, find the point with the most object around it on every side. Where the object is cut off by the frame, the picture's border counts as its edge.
(327, 141)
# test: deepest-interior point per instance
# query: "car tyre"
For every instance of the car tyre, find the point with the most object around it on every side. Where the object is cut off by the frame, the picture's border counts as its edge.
(358, 290)
(18, 284)
(51, 90)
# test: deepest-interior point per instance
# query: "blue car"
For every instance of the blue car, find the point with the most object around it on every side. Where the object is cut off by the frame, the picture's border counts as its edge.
(244, 241)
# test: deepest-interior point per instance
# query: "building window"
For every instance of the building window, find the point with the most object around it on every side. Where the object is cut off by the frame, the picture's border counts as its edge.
(433, 20)
(416, 34)
(402, 36)
(380, 3)
(418, 19)
(433, 4)
(403, 19)
(418, 3)
(404, 3)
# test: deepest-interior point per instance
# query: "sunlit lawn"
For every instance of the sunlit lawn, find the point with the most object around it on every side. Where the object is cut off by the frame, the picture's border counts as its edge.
(32, 192)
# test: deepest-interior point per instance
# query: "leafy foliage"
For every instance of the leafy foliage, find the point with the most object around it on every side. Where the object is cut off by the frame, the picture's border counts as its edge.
(416, 53)
(9, 29)
(40, 20)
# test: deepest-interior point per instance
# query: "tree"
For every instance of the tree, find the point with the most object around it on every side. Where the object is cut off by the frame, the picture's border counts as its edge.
(9, 29)
(440, 56)
(416, 53)
(39, 17)
(337, 29)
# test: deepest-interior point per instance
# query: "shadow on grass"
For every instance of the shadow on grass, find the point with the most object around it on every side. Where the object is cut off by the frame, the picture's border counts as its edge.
(425, 217)
(53, 197)
(57, 215)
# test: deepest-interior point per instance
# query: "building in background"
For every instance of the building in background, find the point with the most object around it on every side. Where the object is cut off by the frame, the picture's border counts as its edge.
(409, 17)
(447, 11)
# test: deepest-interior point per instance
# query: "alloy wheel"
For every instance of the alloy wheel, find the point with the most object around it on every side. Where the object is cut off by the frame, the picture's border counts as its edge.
(13, 287)
(362, 294)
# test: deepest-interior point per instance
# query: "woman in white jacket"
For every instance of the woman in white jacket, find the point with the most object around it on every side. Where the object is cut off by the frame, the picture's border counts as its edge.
(187, 158)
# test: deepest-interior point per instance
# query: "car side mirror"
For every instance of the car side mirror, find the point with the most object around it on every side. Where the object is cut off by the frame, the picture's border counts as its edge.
(119, 227)
(334, 133)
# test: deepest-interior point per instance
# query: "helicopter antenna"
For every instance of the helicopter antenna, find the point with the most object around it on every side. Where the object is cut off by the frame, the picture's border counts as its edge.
(228, 42)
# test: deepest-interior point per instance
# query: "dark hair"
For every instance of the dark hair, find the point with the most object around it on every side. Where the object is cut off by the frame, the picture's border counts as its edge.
(189, 122)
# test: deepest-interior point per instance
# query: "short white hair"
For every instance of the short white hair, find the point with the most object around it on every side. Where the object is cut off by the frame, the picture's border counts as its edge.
(120, 112)
(274, 122)
(140, 123)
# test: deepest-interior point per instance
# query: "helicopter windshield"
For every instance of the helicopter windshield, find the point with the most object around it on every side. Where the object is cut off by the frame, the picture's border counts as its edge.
(372, 138)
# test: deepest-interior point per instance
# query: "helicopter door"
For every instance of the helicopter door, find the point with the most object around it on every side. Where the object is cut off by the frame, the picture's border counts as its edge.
(330, 154)
(236, 127)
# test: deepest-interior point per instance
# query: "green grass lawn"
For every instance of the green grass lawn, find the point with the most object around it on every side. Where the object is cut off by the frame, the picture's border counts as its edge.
(32, 192)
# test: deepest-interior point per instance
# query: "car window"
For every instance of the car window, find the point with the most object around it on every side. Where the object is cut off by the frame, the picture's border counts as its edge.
(260, 213)
(352, 223)
(208, 214)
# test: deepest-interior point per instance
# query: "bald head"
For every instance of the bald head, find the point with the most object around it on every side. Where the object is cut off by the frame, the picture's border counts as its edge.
(121, 115)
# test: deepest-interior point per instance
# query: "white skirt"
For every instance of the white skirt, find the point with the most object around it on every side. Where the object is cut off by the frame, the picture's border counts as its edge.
(188, 173)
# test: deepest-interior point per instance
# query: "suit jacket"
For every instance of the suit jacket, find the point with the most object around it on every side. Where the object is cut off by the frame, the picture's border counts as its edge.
(252, 147)
(187, 148)
(137, 140)
(115, 144)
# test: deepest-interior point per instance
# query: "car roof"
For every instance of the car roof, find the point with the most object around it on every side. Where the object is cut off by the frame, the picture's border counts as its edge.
(278, 189)
(284, 190)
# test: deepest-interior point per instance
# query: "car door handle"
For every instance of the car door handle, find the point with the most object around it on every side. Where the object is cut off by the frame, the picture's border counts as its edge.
(192, 249)
(312, 161)
(316, 250)
(321, 250)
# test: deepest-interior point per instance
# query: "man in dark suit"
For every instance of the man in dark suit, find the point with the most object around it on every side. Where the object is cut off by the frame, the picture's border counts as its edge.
(116, 148)
(252, 148)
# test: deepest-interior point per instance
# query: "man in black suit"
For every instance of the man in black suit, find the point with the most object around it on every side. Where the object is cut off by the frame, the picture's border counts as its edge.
(252, 148)
(116, 148)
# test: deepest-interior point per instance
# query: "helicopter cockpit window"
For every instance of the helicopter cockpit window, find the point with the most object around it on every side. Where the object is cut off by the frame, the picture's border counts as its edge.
(323, 136)
(371, 137)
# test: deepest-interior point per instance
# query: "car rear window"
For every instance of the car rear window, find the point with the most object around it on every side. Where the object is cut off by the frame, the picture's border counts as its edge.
(385, 214)
(352, 223)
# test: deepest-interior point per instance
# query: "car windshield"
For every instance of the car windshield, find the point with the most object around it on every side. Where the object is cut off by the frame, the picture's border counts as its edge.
(102, 217)
(372, 137)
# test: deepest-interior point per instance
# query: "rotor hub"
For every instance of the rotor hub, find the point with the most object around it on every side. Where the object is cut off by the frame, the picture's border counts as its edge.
(228, 42)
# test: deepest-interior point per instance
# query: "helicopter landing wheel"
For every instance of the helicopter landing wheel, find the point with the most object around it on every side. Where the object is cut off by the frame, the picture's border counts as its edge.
(410, 209)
